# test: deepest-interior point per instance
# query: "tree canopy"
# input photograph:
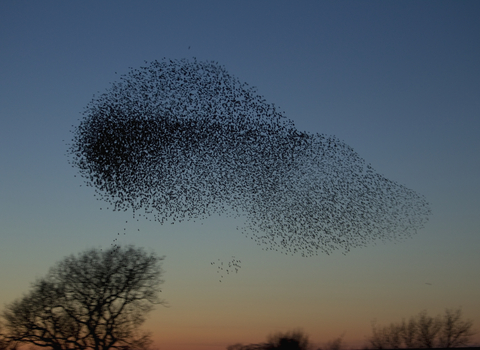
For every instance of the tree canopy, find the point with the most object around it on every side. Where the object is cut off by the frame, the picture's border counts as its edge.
(95, 300)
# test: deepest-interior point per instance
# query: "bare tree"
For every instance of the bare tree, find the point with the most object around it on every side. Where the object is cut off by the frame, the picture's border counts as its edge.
(293, 340)
(394, 336)
(379, 338)
(423, 331)
(335, 344)
(427, 329)
(455, 332)
(409, 332)
(96, 300)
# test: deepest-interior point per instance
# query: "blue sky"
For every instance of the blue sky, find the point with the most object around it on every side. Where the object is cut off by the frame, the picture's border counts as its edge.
(397, 81)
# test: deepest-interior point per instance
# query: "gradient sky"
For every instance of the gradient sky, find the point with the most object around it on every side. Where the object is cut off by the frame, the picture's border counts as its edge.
(397, 81)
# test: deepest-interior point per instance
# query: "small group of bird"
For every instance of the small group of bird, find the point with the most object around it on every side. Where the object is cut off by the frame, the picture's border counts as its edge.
(227, 268)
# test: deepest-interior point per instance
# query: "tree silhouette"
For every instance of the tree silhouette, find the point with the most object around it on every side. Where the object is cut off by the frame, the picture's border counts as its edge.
(428, 328)
(293, 340)
(455, 332)
(335, 344)
(409, 332)
(423, 331)
(96, 300)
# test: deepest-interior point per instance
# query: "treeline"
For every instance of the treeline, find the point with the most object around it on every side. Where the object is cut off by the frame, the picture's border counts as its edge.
(423, 331)
(99, 299)
(419, 332)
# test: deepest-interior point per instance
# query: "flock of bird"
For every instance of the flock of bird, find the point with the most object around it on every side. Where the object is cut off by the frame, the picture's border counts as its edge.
(184, 140)
(225, 269)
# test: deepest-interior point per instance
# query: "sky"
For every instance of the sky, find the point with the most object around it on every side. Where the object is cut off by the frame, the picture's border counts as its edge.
(397, 81)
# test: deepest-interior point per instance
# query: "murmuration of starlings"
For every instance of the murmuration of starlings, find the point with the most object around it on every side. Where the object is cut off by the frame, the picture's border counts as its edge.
(184, 139)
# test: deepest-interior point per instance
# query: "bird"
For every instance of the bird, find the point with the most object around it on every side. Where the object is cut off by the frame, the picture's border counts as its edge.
(185, 140)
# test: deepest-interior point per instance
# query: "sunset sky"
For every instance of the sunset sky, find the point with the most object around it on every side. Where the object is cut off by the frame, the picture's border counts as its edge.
(397, 81)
